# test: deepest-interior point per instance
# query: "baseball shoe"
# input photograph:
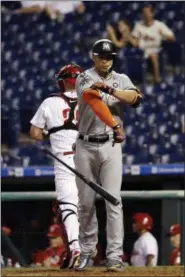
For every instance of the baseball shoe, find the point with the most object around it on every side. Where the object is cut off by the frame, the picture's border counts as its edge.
(70, 259)
(75, 257)
(115, 266)
(84, 261)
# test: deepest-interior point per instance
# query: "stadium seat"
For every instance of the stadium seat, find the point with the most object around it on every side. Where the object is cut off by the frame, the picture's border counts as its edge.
(32, 56)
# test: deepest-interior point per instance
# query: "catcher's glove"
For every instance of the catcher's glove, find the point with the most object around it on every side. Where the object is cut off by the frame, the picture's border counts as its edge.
(103, 87)
(118, 134)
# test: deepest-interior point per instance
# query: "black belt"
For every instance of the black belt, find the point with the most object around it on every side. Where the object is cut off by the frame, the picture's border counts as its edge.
(100, 138)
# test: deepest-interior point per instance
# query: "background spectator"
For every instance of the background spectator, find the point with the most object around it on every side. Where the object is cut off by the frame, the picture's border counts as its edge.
(145, 250)
(38, 7)
(55, 10)
(149, 34)
(54, 255)
(66, 7)
(121, 35)
(63, 8)
(175, 233)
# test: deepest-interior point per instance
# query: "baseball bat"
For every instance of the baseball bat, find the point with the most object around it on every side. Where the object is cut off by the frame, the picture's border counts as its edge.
(97, 188)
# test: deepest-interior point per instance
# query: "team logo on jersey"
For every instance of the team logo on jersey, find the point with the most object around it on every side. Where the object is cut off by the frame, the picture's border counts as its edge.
(82, 74)
(106, 46)
(84, 80)
(115, 85)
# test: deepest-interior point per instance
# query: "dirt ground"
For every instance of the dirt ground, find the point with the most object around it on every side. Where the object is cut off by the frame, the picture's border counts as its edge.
(97, 271)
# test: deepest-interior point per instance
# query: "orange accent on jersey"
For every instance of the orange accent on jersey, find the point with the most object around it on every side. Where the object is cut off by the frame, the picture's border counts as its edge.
(93, 99)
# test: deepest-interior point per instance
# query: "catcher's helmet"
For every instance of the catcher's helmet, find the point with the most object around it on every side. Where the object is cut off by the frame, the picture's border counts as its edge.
(143, 221)
(68, 72)
(104, 47)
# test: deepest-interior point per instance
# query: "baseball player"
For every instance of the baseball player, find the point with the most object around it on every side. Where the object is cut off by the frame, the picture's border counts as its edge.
(54, 255)
(101, 93)
(174, 234)
(57, 117)
(145, 250)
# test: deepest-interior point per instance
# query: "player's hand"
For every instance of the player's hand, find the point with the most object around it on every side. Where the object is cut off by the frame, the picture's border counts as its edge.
(103, 87)
(110, 29)
(74, 147)
(118, 134)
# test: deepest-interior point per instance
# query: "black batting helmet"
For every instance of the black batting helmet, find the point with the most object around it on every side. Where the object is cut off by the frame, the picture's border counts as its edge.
(104, 47)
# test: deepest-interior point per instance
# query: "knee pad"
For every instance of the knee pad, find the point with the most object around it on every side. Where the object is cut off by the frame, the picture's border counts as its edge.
(67, 209)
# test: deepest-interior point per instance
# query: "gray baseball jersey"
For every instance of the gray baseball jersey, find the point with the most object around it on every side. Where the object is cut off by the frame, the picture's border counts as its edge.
(89, 123)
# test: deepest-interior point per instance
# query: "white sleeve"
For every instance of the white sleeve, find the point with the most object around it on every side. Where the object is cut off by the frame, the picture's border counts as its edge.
(39, 119)
(166, 31)
(83, 82)
(150, 247)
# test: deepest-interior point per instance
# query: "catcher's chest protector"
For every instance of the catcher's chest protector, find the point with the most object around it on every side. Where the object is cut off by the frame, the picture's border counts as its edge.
(68, 125)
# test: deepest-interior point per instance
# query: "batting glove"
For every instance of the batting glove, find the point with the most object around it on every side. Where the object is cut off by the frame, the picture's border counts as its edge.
(103, 87)
(118, 134)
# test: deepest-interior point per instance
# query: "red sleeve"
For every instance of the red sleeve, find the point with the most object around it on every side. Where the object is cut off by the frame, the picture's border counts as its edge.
(39, 257)
(46, 254)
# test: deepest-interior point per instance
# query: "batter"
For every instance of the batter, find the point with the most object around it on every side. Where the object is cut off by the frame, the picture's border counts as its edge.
(101, 93)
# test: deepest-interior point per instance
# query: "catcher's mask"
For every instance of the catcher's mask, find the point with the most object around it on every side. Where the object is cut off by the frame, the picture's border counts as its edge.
(105, 48)
(68, 72)
(143, 221)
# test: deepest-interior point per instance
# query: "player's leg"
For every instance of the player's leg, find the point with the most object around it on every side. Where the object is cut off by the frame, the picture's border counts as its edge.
(111, 179)
(84, 160)
(67, 195)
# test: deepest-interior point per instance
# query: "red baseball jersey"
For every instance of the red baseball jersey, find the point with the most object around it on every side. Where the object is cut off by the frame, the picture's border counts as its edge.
(56, 255)
(175, 257)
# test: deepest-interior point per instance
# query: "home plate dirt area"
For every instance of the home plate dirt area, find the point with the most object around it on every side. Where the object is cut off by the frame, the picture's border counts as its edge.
(97, 271)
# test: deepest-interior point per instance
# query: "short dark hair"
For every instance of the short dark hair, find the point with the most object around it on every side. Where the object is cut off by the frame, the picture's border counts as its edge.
(148, 6)
(127, 22)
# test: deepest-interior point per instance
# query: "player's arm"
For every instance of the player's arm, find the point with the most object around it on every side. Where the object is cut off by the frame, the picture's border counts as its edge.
(134, 38)
(93, 99)
(37, 133)
(131, 96)
(149, 260)
(166, 32)
(38, 122)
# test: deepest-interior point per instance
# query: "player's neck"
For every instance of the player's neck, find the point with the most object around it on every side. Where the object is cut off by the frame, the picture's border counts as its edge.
(142, 232)
(103, 74)
(149, 22)
(69, 89)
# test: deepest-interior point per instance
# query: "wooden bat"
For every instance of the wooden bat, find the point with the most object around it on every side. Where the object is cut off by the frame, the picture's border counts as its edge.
(97, 188)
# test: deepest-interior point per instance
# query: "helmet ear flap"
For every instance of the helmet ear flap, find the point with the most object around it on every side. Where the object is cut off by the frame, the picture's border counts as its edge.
(69, 72)
(61, 85)
(59, 82)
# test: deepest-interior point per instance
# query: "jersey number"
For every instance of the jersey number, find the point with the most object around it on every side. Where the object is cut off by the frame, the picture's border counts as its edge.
(66, 112)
